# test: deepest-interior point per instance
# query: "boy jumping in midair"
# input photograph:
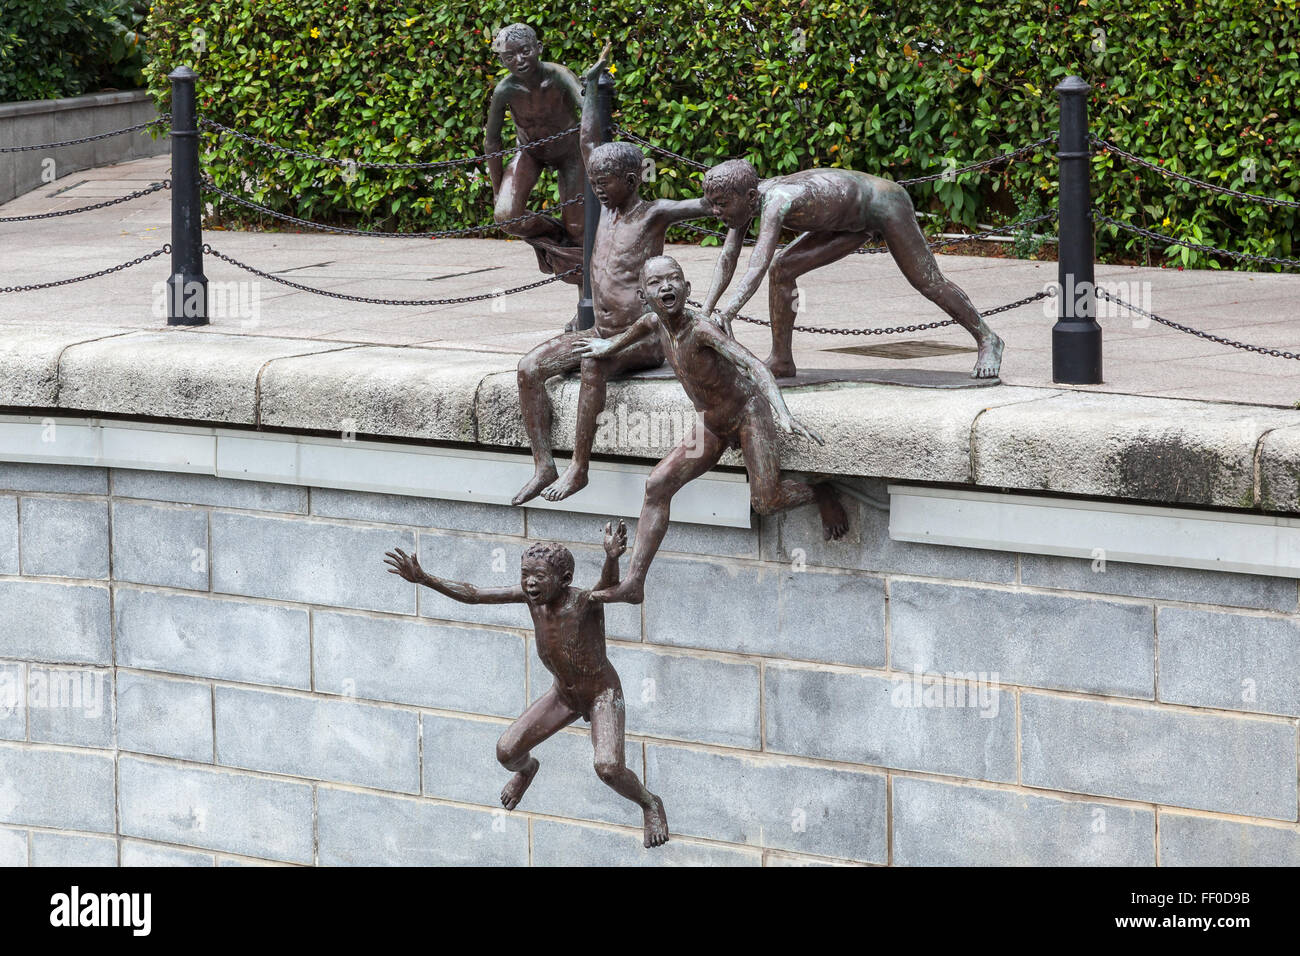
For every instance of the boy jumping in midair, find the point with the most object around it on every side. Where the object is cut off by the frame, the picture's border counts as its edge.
(570, 630)
(734, 394)
(631, 231)
(836, 210)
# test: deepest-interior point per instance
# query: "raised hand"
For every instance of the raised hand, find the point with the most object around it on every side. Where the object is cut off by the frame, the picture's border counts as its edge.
(405, 565)
(615, 539)
(601, 64)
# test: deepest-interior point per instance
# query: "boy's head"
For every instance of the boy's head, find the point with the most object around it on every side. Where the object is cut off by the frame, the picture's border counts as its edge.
(663, 286)
(615, 171)
(731, 188)
(519, 49)
(546, 569)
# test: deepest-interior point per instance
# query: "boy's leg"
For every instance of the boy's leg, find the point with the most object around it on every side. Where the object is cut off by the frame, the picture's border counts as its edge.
(908, 246)
(591, 402)
(553, 357)
(545, 716)
(607, 717)
(692, 458)
(809, 251)
(769, 492)
(517, 184)
(571, 179)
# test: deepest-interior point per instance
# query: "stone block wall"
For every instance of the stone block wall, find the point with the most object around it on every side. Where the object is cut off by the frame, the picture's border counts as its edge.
(200, 671)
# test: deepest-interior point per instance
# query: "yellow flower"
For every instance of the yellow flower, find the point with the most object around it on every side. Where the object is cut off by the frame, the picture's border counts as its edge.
(314, 33)
(410, 20)
(1166, 222)
(803, 85)
(851, 70)
(613, 68)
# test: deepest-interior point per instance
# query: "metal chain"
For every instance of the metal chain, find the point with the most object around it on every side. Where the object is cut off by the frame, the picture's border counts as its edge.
(1272, 260)
(212, 187)
(951, 174)
(827, 330)
(1098, 141)
(357, 164)
(629, 135)
(94, 275)
(165, 184)
(88, 139)
(357, 298)
(1278, 353)
(873, 250)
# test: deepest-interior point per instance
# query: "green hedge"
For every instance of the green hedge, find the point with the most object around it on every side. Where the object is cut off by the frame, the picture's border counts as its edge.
(891, 88)
(55, 48)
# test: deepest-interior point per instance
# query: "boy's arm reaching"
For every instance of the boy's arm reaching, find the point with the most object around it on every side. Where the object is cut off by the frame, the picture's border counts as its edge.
(589, 136)
(760, 375)
(408, 566)
(596, 347)
(724, 269)
(615, 545)
(492, 134)
(769, 237)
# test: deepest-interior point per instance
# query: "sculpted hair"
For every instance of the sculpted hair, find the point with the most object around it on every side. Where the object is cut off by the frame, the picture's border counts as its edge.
(618, 159)
(659, 260)
(521, 32)
(553, 553)
(735, 175)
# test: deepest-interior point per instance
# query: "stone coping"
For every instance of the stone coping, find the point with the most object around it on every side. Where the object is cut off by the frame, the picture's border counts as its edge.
(1055, 440)
(37, 107)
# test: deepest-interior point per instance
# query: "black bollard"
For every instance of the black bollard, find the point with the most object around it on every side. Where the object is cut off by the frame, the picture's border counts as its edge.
(1076, 337)
(187, 287)
(590, 205)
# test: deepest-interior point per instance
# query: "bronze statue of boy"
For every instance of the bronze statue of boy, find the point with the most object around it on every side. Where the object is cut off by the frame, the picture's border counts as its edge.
(631, 231)
(836, 211)
(544, 99)
(734, 394)
(570, 630)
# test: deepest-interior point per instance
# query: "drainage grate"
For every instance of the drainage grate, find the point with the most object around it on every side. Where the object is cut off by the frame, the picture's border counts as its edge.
(905, 350)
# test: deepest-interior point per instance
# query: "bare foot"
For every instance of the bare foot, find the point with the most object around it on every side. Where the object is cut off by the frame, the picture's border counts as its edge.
(574, 479)
(656, 824)
(835, 521)
(544, 475)
(627, 591)
(781, 367)
(513, 791)
(989, 360)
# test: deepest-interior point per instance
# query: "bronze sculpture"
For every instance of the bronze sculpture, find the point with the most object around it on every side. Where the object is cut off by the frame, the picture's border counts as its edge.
(543, 98)
(732, 391)
(835, 211)
(570, 630)
(631, 231)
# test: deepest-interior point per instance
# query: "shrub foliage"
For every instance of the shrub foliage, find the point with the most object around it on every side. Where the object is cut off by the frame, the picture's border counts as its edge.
(55, 48)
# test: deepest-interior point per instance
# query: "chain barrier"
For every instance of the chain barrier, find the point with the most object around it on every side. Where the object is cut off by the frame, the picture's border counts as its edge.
(829, 330)
(358, 164)
(165, 184)
(1137, 160)
(1129, 227)
(875, 250)
(167, 248)
(1209, 336)
(208, 250)
(163, 118)
(212, 187)
(640, 141)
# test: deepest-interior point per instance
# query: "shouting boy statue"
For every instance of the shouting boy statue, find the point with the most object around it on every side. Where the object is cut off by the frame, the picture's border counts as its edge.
(544, 100)
(631, 231)
(570, 630)
(735, 395)
(836, 211)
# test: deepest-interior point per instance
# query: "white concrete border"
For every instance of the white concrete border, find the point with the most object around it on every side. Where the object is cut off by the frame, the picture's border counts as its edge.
(1109, 531)
(718, 498)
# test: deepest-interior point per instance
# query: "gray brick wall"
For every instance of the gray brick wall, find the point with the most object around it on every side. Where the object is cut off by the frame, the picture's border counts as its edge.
(205, 672)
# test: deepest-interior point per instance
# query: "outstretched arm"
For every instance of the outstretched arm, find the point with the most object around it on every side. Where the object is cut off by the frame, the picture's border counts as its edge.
(725, 268)
(615, 545)
(596, 347)
(589, 137)
(669, 211)
(408, 566)
(760, 375)
(769, 237)
(492, 135)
